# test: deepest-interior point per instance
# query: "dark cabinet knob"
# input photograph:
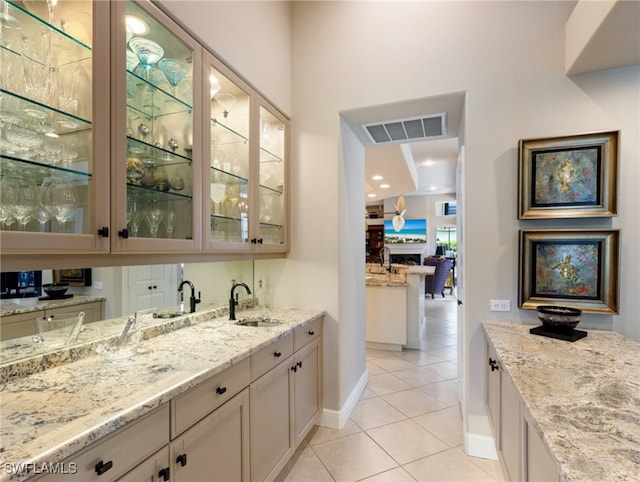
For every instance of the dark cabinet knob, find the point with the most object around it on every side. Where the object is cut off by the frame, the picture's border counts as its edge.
(101, 467)
(311, 333)
(124, 234)
(294, 368)
(164, 474)
(299, 364)
(221, 390)
(182, 460)
(104, 232)
(277, 354)
(493, 364)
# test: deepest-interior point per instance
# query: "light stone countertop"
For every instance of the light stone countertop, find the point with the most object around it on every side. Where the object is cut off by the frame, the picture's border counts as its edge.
(27, 305)
(49, 415)
(583, 398)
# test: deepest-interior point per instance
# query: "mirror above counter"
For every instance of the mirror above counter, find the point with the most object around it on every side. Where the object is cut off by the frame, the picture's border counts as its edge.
(123, 291)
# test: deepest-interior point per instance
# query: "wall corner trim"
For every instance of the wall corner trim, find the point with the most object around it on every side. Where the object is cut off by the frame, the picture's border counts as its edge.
(480, 446)
(337, 419)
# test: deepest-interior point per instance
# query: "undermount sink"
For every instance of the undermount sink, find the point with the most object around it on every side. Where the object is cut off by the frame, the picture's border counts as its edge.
(257, 321)
(169, 314)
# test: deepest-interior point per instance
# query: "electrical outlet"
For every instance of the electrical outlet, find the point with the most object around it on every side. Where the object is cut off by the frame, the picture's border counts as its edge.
(98, 285)
(500, 305)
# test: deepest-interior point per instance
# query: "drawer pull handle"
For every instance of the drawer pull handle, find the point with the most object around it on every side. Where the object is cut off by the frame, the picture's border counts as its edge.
(164, 474)
(182, 460)
(102, 467)
(493, 364)
(221, 390)
(277, 354)
(299, 364)
(311, 333)
(294, 368)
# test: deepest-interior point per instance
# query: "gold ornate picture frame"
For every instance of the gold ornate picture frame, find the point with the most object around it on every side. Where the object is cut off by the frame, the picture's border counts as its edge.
(575, 268)
(568, 177)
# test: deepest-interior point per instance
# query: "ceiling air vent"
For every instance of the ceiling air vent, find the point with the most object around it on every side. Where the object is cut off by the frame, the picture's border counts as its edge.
(406, 130)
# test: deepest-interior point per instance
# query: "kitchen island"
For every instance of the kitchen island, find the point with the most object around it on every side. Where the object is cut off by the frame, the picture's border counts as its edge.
(580, 401)
(48, 415)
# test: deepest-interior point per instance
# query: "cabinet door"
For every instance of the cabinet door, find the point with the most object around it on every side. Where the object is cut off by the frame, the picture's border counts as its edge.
(270, 228)
(540, 466)
(19, 325)
(157, 74)
(307, 379)
(93, 311)
(492, 374)
(216, 448)
(227, 142)
(54, 160)
(271, 433)
(156, 468)
(510, 427)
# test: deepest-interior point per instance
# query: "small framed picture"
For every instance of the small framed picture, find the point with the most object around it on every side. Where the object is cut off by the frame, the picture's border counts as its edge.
(575, 268)
(74, 277)
(569, 177)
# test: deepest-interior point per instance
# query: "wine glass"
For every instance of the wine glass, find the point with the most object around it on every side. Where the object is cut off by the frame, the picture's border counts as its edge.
(60, 199)
(218, 191)
(153, 215)
(170, 221)
(147, 51)
(174, 71)
(20, 198)
(226, 101)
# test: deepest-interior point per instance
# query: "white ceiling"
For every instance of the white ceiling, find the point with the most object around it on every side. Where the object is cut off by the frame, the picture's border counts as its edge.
(404, 166)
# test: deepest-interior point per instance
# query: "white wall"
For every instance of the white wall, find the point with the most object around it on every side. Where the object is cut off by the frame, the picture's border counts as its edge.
(350, 55)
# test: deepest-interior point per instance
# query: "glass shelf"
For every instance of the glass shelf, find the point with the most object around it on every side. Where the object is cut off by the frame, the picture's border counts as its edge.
(238, 138)
(161, 156)
(37, 172)
(149, 99)
(47, 119)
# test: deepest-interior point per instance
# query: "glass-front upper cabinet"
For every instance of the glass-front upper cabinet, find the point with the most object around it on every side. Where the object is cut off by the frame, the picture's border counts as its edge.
(228, 211)
(272, 205)
(53, 166)
(157, 74)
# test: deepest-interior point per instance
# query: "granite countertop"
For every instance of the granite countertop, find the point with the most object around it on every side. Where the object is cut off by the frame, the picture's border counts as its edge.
(583, 398)
(48, 415)
(26, 305)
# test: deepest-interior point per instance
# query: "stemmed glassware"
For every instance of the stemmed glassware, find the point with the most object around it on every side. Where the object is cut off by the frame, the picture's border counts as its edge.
(20, 198)
(148, 52)
(153, 215)
(134, 217)
(218, 191)
(226, 101)
(174, 71)
(59, 197)
(7, 20)
(170, 221)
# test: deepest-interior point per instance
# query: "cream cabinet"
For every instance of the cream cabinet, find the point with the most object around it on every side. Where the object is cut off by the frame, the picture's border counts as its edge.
(53, 153)
(121, 452)
(247, 184)
(141, 142)
(286, 400)
(24, 324)
(156, 468)
(521, 452)
(217, 447)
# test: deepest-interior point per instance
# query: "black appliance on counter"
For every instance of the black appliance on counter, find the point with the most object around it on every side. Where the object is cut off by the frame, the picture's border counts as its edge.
(20, 284)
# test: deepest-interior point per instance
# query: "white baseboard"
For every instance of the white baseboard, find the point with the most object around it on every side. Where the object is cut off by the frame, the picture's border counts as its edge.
(480, 446)
(338, 418)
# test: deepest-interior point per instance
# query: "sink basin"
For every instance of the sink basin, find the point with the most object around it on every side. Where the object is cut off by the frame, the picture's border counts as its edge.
(169, 314)
(257, 321)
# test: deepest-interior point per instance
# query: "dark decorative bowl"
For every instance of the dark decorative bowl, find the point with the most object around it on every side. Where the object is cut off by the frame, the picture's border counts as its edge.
(55, 290)
(559, 318)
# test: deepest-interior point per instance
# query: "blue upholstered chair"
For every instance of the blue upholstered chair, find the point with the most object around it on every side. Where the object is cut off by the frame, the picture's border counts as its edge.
(434, 283)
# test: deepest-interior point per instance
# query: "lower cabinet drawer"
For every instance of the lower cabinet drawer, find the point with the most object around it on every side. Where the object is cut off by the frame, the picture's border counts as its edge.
(307, 333)
(118, 454)
(270, 356)
(198, 402)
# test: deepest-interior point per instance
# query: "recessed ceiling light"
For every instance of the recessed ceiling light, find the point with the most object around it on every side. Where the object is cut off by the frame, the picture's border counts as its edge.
(377, 177)
(428, 163)
(384, 186)
(136, 25)
(433, 188)
(371, 195)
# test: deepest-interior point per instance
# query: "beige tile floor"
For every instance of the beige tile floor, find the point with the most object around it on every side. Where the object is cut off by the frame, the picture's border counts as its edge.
(407, 424)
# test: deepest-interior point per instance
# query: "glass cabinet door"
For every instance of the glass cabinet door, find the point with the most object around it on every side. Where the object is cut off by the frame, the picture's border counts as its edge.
(229, 163)
(155, 133)
(51, 174)
(272, 205)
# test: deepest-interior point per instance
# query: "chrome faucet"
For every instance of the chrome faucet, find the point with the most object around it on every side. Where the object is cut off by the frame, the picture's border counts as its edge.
(192, 299)
(382, 257)
(234, 301)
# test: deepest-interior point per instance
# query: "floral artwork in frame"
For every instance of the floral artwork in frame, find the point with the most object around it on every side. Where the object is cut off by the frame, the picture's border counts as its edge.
(568, 177)
(575, 268)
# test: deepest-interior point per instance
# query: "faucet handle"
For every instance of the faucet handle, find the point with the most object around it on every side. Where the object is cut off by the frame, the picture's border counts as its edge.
(198, 299)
